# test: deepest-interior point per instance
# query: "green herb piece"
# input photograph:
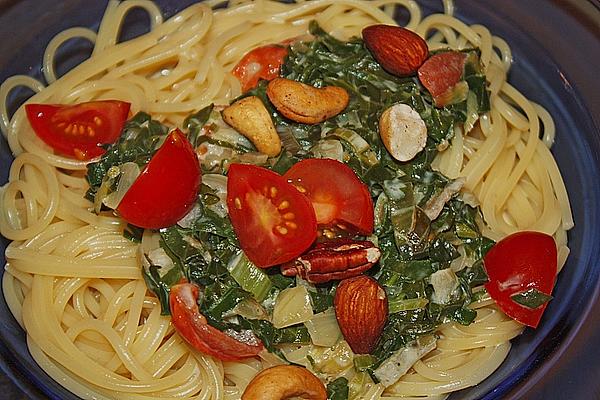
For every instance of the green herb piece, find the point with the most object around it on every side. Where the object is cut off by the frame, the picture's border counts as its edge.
(402, 328)
(194, 123)
(160, 284)
(531, 298)
(364, 362)
(320, 301)
(133, 233)
(338, 389)
(249, 276)
(282, 282)
(225, 303)
(271, 336)
(480, 296)
(395, 305)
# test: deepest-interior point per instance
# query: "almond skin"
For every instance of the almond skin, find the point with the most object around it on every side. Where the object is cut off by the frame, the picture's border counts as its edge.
(441, 73)
(361, 309)
(398, 50)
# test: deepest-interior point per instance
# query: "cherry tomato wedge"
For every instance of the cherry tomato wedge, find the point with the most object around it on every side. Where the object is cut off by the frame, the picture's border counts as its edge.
(78, 130)
(517, 263)
(440, 73)
(261, 63)
(194, 328)
(337, 194)
(167, 187)
(274, 222)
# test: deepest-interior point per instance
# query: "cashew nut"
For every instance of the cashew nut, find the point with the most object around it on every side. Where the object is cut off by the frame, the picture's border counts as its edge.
(402, 131)
(304, 103)
(250, 117)
(284, 382)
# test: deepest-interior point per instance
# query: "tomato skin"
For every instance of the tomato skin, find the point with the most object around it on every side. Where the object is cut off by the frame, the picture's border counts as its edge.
(261, 63)
(521, 261)
(78, 130)
(440, 73)
(166, 188)
(194, 328)
(273, 221)
(337, 194)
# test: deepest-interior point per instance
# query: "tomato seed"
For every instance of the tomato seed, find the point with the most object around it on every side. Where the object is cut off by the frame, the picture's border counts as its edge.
(291, 225)
(329, 234)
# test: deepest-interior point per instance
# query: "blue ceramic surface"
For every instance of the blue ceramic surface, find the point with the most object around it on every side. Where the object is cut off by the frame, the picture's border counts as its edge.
(556, 46)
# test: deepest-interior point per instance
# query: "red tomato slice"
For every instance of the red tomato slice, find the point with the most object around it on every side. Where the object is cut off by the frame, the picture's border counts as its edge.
(273, 221)
(167, 187)
(261, 63)
(337, 194)
(78, 130)
(192, 326)
(440, 73)
(519, 262)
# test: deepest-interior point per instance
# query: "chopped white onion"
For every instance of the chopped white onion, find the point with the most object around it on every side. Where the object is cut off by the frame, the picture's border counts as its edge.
(253, 157)
(444, 284)
(400, 362)
(218, 183)
(328, 148)
(128, 174)
(188, 219)
(160, 258)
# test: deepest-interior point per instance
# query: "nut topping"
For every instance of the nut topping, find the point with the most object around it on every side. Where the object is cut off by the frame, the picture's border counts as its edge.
(304, 103)
(402, 131)
(285, 382)
(361, 309)
(250, 117)
(335, 259)
(398, 50)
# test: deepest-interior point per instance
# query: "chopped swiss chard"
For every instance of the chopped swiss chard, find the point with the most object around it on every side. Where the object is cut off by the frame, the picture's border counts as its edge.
(338, 389)
(531, 298)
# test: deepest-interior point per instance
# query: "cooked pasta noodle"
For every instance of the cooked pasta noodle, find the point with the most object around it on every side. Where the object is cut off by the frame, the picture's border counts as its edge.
(74, 283)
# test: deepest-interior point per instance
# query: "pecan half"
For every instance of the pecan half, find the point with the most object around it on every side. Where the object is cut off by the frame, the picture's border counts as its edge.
(333, 260)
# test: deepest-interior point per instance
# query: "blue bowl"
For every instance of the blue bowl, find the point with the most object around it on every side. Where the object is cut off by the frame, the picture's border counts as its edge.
(556, 47)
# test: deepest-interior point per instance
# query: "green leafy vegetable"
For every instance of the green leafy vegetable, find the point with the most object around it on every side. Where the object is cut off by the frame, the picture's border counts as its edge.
(250, 277)
(338, 389)
(413, 245)
(194, 123)
(531, 298)
(271, 336)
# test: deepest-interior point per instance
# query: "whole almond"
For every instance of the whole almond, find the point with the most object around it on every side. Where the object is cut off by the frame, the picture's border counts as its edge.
(399, 50)
(361, 309)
